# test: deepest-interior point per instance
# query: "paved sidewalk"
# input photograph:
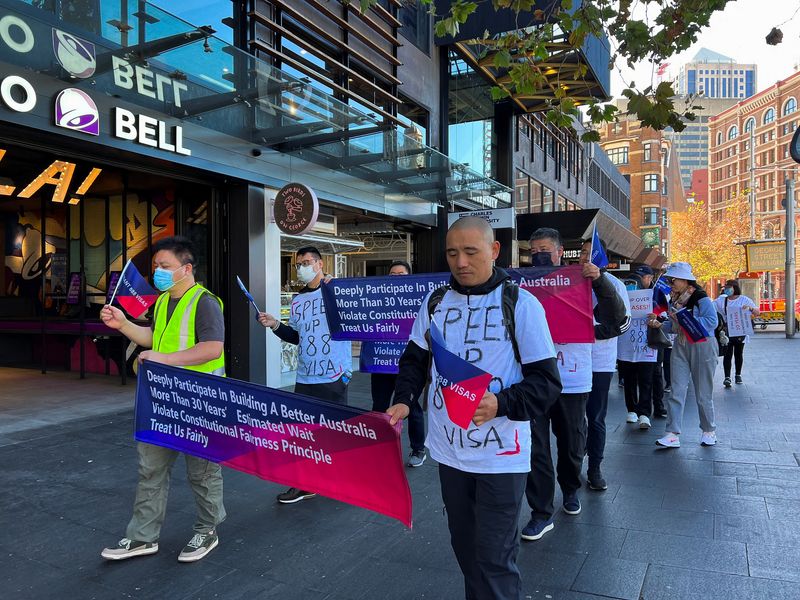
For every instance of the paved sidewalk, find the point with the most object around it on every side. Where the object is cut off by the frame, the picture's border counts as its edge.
(708, 523)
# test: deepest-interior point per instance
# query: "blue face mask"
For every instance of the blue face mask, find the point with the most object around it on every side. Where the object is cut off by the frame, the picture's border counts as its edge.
(162, 279)
(729, 291)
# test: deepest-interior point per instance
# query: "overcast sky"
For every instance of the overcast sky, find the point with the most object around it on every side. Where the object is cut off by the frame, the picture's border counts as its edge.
(738, 32)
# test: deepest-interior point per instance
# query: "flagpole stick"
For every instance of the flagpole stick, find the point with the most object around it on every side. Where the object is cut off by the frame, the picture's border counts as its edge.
(121, 275)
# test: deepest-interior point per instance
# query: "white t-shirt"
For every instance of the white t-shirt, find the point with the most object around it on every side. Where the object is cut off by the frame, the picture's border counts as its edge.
(319, 358)
(741, 304)
(575, 367)
(604, 352)
(473, 328)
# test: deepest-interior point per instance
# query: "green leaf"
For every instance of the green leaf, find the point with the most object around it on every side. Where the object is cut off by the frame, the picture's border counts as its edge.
(499, 93)
(502, 60)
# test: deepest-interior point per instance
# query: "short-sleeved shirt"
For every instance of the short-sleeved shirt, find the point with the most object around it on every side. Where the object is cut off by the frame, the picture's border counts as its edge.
(209, 323)
(319, 358)
(604, 352)
(473, 327)
(740, 303)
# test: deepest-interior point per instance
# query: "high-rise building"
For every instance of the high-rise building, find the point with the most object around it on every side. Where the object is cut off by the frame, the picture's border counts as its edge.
(691, 144)
(714, 75)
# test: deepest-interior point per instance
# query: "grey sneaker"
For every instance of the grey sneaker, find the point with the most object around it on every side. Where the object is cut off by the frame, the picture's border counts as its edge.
(293, 495)
(416, 458)
(128, 549)
(200, 545)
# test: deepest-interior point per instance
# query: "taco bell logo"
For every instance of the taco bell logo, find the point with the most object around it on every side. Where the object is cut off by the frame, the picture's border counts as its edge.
(75, 55)
(77, 111)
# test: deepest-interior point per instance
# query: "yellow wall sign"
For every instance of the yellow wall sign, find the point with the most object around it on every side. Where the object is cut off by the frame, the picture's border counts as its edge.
(766, 256)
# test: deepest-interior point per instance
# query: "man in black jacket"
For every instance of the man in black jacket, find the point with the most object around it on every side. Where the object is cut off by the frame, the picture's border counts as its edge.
(482, 469)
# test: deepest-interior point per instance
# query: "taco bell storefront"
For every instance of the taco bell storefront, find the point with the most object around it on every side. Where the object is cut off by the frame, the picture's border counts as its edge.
(115, 136)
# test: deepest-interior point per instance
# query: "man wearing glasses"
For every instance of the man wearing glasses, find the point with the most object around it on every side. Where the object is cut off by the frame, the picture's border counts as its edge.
(324, 367)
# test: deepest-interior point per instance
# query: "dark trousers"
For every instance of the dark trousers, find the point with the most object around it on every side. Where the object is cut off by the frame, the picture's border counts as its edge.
(735, 348)
(382, 386)
(483, 514)
(568, 418)
(335, 392)
(667, 371)
(596, 409)
(638, 386)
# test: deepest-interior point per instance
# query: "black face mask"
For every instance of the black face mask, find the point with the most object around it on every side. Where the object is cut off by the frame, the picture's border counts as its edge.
(541, 259)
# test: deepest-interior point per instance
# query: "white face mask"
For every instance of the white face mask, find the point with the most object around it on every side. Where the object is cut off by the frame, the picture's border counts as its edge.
(306, 273)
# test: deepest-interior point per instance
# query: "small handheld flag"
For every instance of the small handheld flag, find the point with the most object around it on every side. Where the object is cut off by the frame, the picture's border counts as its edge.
(661, 292)
(599, 257)
(247, 294)
(691, 327)
(462, 384)
(133, 293)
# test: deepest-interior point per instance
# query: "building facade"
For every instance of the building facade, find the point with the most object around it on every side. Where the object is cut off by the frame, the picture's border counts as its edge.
(648, 159)
(749, 156)
(713, 75)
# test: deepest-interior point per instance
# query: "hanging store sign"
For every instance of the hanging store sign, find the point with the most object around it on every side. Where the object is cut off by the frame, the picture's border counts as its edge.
(296, 208)
(59, 174)
(498, 218)
(767, 256)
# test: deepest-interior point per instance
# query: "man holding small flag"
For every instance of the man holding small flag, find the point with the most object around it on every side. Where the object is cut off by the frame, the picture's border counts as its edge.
(481, 323)
(188, 331)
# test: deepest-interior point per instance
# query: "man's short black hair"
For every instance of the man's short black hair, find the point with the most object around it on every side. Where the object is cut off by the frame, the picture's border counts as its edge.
(547, 233)
(400, 263)
(182, 247)
(309, 250)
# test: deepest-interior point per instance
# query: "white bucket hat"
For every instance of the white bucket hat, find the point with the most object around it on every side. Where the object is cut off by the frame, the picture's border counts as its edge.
(680, 270)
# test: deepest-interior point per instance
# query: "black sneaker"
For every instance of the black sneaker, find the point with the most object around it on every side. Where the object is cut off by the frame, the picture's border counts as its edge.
(668, 389)
(726, 382)
(596, 481)
(572, 505)
(535, 529)
(660, 413)
(127, 548)
(739, 379)
(416, 458)
(293, 495)
(200, 545)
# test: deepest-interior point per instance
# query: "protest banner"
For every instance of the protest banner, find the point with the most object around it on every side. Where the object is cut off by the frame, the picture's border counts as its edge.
(336, 451)
(739, 321)
(384, 309)
(462, 384)
(381, 357)
(632, 345)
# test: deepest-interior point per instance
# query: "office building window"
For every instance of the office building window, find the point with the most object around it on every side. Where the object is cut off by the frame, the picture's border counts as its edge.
(769, 116)
(650, 215)
(618, 156)
(749, 124)
(416, 22)
(733, 133)
(547, 199)
(663, 217)
(790, 106)
(647, 152)
(651, 183)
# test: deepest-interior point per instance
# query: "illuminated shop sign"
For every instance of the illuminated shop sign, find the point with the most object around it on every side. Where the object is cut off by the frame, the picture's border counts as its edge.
(59, 174)
(74, 108)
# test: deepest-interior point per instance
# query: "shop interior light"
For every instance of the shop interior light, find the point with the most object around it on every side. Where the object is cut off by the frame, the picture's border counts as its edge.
(59, 174)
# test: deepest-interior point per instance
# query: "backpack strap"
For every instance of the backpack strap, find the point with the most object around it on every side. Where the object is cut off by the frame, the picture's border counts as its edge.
(510, 297)
(436, 298)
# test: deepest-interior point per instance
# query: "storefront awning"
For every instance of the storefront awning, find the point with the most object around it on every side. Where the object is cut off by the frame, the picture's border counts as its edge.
(576, 226)
(242, 115)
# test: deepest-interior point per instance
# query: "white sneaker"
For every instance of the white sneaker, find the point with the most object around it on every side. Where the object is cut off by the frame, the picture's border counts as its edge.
(644, 422)
(632, 418)
(670, 440)
(709, 438)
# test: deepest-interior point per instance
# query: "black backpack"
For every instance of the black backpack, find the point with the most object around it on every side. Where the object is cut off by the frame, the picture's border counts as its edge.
(510, 297)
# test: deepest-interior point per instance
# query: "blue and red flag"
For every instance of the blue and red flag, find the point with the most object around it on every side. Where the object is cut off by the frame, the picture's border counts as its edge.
(691, 327)
(599, 257)
(133, 293)
(661, 291)
(462, 383)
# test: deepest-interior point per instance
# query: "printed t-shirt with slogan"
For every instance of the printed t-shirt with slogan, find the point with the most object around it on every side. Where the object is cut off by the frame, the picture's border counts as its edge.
(604, 352)
(472, 327)
(319, 358)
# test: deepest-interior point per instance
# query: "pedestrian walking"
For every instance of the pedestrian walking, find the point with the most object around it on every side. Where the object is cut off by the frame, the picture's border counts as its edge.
(483, 483)
(199, 348)
(730, 301)
(324, 366)
(693, 363)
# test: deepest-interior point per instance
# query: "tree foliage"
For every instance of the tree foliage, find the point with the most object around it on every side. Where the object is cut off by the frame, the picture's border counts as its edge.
(639, 30)
(708, 242)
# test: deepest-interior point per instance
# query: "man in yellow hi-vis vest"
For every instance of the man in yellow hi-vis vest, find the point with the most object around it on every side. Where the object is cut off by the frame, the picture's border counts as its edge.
(188, 331)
